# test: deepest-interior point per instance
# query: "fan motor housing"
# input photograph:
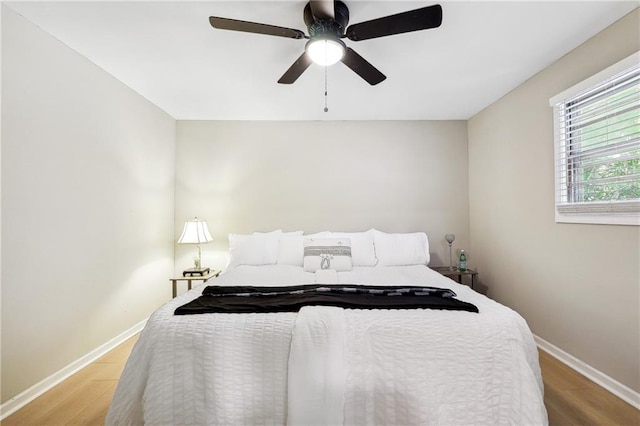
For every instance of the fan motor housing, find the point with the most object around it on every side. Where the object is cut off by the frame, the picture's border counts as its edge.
(333, 27)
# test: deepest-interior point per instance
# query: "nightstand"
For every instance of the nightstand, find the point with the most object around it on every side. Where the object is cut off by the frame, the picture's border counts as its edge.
(444, 270)
(204, 278)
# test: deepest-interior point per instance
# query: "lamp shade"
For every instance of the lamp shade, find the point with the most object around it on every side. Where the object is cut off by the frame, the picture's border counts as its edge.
(195, 232)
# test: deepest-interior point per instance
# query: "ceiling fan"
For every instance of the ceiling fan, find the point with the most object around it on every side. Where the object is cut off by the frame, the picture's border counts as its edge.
(326, 22)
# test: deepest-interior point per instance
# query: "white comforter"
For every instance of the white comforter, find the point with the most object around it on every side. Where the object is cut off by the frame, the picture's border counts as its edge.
(333, 365)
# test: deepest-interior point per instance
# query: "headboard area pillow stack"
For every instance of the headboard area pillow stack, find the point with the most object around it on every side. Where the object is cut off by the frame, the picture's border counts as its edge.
(369, 248)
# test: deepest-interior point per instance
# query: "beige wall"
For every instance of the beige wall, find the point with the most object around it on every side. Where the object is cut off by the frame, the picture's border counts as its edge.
(313, 176)
(577, 285)
(87, 206)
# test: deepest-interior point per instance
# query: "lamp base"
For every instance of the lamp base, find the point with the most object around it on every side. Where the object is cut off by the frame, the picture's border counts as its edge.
(195, 271)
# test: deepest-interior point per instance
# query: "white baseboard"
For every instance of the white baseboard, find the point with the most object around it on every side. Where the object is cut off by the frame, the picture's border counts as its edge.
(25, 397)
(621, 391)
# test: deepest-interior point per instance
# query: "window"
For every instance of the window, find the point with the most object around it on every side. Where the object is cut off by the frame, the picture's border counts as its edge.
(597, 141)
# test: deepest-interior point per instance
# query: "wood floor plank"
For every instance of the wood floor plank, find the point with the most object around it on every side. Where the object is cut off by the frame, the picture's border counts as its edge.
(94, 414)
(75, 403)
(559, 375)
(602, 407)
(82, 399)
(557, 416)
(39, 407)
(573, 399)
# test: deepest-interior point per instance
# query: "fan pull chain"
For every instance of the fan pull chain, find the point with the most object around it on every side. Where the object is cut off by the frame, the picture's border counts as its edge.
(326, 109)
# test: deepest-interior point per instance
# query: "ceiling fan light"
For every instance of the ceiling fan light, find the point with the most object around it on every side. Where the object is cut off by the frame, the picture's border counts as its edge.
(325, 51)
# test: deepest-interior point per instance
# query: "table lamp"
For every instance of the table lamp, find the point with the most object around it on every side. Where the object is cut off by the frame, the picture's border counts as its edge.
(195, 232)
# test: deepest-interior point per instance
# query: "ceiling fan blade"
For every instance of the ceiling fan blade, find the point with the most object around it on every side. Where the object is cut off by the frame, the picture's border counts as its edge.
(254, 27)
(296, 70)
(413, 20)
(360, 66)
(323, 9)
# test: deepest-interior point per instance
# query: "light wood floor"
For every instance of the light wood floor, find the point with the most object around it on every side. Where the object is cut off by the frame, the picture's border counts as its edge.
(572, 399)
(83, 399)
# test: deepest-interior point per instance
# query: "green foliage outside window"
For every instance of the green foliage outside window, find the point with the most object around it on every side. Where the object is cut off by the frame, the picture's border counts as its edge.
(607, 172)
(627, 190)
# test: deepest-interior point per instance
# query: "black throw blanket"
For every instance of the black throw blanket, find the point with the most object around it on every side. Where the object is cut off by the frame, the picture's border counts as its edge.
(246, 299)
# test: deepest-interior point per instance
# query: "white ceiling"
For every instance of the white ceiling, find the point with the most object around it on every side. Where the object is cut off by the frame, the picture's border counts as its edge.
(168, 52)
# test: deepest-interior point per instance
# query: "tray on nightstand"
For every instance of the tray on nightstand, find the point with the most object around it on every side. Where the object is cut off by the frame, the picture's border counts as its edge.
(195, 271)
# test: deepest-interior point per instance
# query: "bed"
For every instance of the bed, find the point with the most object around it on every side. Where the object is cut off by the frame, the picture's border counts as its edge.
(329, 365)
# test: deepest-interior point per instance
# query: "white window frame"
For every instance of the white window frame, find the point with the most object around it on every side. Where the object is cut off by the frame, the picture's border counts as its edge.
(613, 212)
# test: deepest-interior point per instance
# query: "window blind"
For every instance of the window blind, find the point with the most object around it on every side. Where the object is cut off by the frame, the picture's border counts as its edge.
(597, 136)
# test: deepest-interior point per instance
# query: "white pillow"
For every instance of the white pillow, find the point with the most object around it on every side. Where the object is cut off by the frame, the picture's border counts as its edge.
(401, 249)
(291, 250)
(362, 248)
(327, 253)
(256, 249)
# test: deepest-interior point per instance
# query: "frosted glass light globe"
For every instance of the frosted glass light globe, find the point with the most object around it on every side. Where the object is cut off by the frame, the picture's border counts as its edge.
(325, 52)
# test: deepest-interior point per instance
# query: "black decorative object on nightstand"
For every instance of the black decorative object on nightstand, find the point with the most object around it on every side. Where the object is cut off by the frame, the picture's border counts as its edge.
(195, 271)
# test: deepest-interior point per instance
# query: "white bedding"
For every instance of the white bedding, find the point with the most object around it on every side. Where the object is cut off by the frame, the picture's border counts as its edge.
(418, 366)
